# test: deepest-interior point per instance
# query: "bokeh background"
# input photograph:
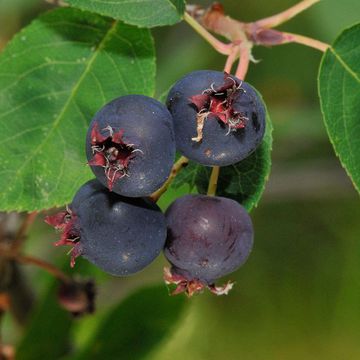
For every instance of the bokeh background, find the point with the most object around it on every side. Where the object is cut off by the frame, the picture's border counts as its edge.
(298, 296)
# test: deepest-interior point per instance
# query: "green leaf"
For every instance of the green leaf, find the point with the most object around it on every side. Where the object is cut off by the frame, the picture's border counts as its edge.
(143, 13)
(339, 90)
(135, 326)
(54, 75)
(47, 335)
(243, 182)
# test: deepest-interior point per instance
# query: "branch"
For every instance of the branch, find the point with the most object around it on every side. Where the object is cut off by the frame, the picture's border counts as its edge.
(286, 15)
(219, 46)
(246, 35)
(25, 259)
(21, 234)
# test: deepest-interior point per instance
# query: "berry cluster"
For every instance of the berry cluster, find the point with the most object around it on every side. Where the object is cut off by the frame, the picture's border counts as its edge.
(211, 118)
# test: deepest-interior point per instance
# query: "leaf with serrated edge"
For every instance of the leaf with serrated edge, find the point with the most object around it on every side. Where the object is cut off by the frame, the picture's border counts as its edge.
(339, 90)
(243, 182)
(54, 75)
(143, 13)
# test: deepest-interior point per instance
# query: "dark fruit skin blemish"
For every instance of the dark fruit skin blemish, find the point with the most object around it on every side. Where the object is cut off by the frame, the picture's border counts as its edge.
(119, 235)
(219, 120)
(208, 237)
(130, 145)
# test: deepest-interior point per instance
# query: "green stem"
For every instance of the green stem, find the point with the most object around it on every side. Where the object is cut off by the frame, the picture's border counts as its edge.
(178, 166)
(213, 181)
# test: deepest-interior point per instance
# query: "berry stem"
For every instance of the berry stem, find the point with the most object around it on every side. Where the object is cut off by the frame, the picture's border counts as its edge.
(213, 181)
(241, 72)
(219, 46)
(231, 59)
(304, 40)
(21, 234)
(25, 259)
(244, 61)
(180, 164)
(284, 16)
(246, 35)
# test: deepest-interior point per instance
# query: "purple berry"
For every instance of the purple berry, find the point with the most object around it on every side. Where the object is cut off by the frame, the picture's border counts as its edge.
(130, 145)
(119, 235)
(208, 237)
(218, 119)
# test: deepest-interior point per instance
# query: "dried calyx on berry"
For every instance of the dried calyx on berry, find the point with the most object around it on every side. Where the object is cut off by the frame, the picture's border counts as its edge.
(218, 101)
(112, 153)
(185, 283)
(67, 223)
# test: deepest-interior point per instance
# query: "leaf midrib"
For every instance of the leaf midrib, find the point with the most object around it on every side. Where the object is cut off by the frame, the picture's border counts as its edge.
(66, 105)
(345, 65)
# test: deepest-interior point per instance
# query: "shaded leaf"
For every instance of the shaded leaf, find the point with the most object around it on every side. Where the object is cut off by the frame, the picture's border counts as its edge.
(47, 335)
(143, 13)
(339, 90)
(54, 75)
(135, 326)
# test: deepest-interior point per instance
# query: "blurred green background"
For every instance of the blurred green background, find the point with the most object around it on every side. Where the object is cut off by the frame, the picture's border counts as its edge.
(298, 297)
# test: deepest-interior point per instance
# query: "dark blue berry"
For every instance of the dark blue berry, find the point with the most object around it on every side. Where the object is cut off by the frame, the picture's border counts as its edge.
(130, 145)
(208, 237)
(119, 235)
(218, 119)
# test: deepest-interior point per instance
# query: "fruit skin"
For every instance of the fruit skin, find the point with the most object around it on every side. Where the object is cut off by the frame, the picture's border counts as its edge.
(119, 235)
(208, 237)
(218, 146)
(146, 125)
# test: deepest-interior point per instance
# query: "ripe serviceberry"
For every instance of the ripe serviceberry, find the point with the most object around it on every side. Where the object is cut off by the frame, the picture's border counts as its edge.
(208, 237)
(120, 235)
(130, 145)
(218, 119)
